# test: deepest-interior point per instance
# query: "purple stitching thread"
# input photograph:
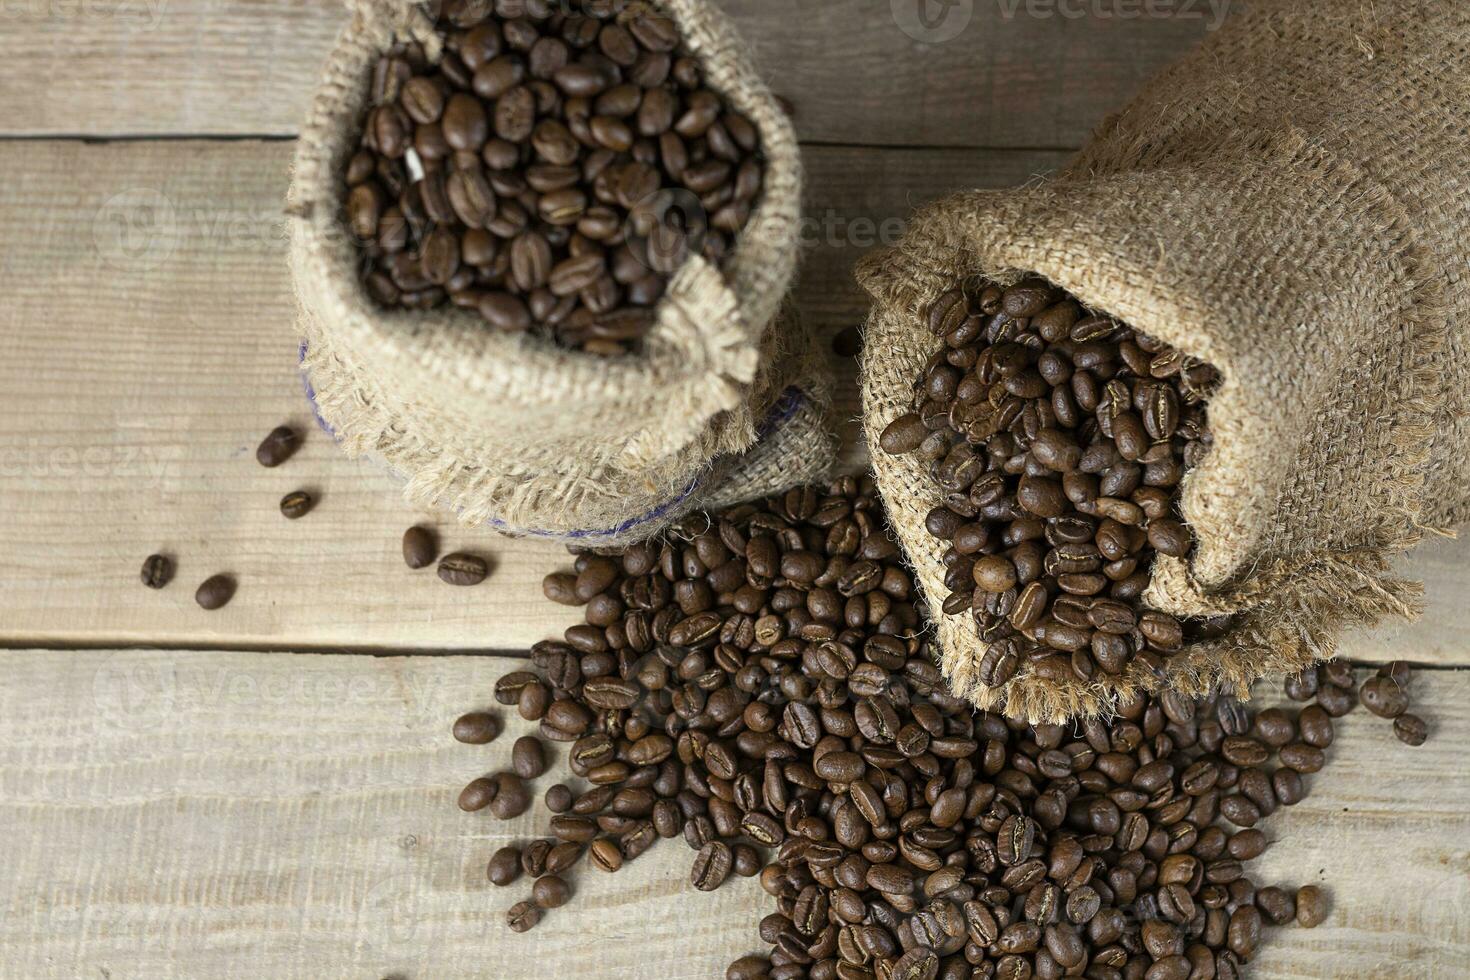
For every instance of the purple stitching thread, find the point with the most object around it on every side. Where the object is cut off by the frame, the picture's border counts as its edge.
(786, 406)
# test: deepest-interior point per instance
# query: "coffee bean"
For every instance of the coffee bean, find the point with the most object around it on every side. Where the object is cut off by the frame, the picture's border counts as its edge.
(505, 866)
(462, 569)
(277, 447)
(511, 798)
(712, 865)
(551, 892)
(476, 728)
(1311, 906)
(528, 759)
(1410, 729)
(215, 592)
(523, 917)
(1384, 697)
(296, 504)
(157, 572)
(478, 794)
(605, 855)
(419, 547)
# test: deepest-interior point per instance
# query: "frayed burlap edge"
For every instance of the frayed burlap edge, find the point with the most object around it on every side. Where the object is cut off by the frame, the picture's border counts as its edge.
(1289, 613)
(487, 423)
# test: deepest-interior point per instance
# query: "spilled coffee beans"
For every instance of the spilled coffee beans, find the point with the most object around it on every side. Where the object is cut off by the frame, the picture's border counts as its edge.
(1060, 438)
(759, 684)
(215, 592)
(551, 171)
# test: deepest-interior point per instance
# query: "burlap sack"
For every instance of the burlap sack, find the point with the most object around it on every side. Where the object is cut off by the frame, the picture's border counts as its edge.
(725, 402)
(1289, 204)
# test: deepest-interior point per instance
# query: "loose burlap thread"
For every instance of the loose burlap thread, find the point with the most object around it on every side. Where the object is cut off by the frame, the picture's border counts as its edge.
(725, 401)
(1288, 203)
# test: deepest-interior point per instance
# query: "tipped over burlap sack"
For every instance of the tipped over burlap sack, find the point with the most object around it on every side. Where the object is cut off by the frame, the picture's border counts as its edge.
(1289, 204)
(725, 402)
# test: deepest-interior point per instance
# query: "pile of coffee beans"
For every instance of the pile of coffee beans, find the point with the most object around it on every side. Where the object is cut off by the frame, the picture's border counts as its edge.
(758, 683)
(551, 170)
(1059, 438)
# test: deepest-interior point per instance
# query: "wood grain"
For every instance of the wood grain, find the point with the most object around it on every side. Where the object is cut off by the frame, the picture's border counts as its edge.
(174, 815)
(1019, 73)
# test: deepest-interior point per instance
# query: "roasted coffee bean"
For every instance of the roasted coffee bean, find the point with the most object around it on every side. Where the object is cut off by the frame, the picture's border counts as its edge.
(523, 917)
(476, 728)
(215, 592)
(528, 758)
(712, 865)
(505, 866)
(553, 134)
(158, 571)
(1410, 729)
(1384, 697)
(419, 547)
(277, 447)
(605, 854)
(296, 504)
(511, 798)
(462, 569)
(1311, 906)
(551, 892)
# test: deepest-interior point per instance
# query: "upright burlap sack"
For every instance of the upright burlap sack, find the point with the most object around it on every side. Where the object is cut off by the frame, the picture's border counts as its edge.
(724, 402)
(1290, 204)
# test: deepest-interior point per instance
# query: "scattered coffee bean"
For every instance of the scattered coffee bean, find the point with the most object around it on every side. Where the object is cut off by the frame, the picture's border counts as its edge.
(848, 342)
(215, 592)
(462, 569)
(558, 798)
(523, 917)
(277, 447)
(1060, 440)
(505, 866)
(551, 892)
(542, 172)
(296, 504)
(1384, 697)
(1410, 729)
(1311, 906)
(511, 798)
(528, 759)
(419, 547)
(479, 794)
(476, 728)
(158, 571)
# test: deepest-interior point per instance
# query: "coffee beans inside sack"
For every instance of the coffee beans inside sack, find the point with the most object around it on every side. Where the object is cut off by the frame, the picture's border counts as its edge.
(1257, 207)
(761, 685)
(550, 171)
(542, 253)
(1060, 438)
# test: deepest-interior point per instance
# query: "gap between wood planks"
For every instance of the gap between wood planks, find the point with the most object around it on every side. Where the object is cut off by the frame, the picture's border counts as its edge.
(367, 650)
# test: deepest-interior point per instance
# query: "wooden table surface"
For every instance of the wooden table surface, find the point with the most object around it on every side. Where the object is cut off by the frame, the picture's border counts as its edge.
(266, 791)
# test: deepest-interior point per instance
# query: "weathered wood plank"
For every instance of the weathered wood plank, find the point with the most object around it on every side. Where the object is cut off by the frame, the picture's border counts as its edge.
(988, 73)
(174, 815)
(147, 344)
